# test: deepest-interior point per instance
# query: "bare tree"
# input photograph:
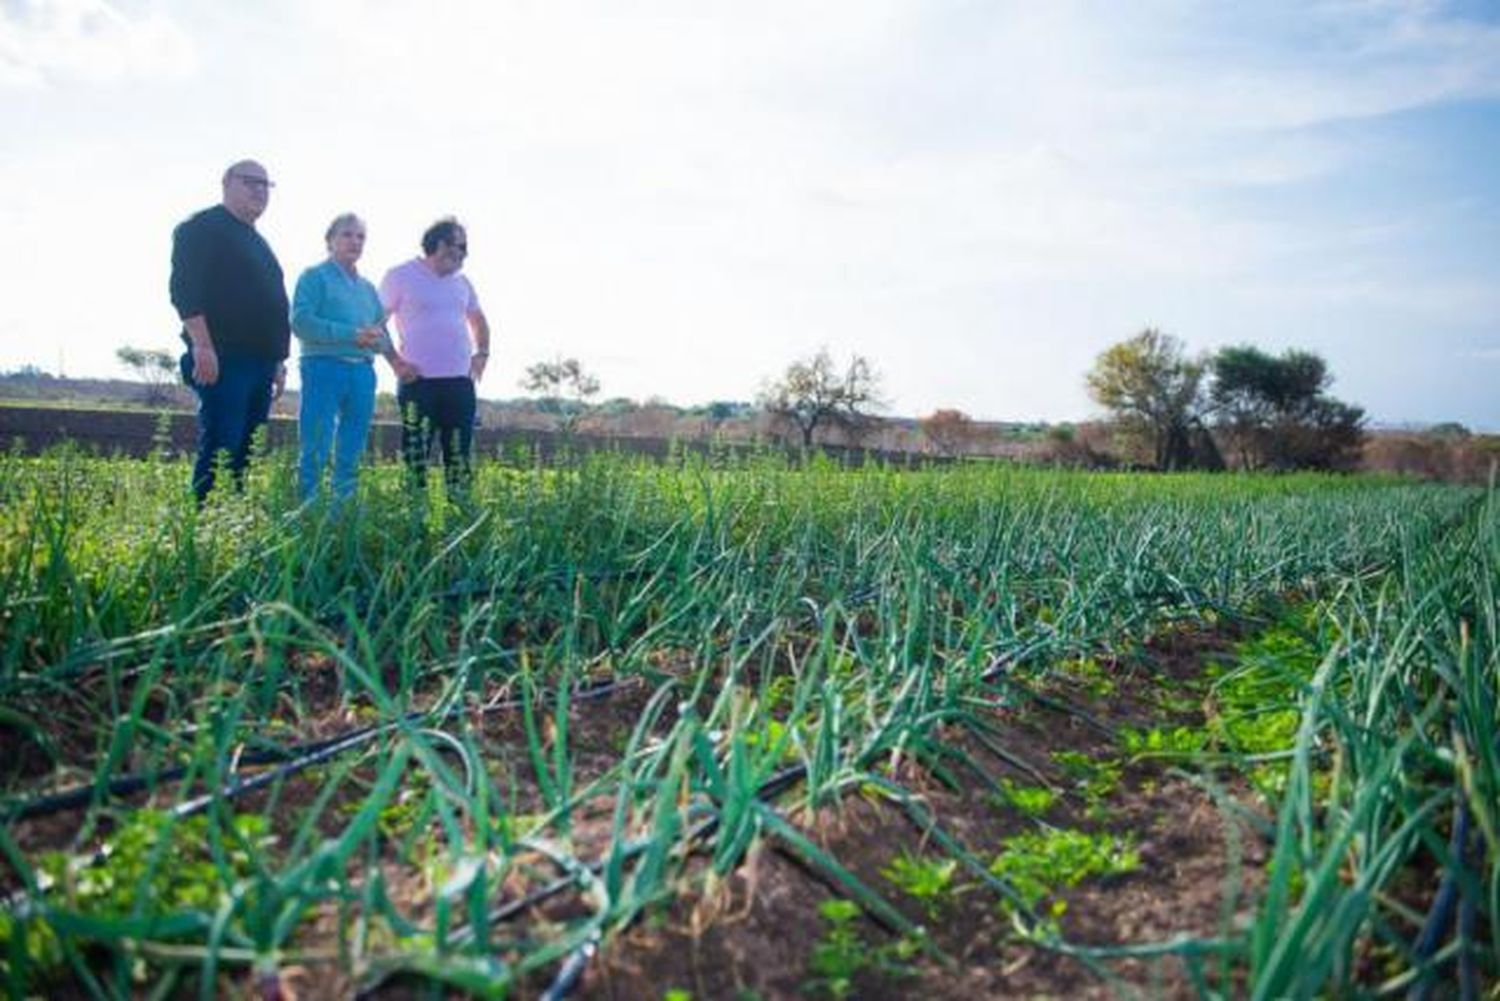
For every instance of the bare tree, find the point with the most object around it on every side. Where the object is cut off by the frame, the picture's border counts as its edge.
(812, 392)
(153, 366)
(950, 431)
(564, 383)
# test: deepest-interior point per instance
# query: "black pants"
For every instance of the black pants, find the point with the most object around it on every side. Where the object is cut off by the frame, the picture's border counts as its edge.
(440, 410)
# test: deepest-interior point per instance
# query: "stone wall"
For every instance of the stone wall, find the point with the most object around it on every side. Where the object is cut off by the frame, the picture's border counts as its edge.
(138, 433)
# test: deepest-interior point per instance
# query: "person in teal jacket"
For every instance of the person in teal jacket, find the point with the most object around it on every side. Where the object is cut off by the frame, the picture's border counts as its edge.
(340, 323)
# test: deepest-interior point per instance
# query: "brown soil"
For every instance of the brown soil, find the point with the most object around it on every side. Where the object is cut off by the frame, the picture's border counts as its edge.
(751, 934)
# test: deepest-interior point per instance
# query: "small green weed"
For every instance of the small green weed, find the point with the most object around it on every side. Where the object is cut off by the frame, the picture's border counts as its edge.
(1255, 705)
(1093, 676)
(151, 862)
(399, 816)
(926, 880)
(1040, 866)
(774, 736)
(840, 953)
(166, 862)
(1178, 705)
(1095, 779)
(1032, 801)
(1163, 741)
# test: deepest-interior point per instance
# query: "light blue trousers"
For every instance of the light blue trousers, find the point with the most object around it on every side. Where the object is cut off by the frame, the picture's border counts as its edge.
(338, 404)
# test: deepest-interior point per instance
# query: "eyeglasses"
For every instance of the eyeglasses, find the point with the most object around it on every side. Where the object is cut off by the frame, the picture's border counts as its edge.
(462, 248)
(251, 181)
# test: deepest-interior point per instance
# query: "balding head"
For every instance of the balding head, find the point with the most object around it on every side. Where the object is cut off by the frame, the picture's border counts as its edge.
(247, 189)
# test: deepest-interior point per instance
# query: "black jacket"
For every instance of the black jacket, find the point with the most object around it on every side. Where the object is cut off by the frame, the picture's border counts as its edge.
(223, 270)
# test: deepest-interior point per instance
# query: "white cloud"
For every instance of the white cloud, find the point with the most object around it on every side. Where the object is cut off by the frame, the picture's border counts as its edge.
(47, 42)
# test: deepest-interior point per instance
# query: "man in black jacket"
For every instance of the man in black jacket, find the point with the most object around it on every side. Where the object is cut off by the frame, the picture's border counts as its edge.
(228, 289)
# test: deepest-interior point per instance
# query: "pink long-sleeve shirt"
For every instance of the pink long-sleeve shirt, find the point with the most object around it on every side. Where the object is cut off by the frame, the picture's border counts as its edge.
(432, 317)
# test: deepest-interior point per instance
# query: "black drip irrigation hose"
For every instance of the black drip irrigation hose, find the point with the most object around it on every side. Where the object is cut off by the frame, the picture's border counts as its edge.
(998, 673)
(570, 973)
(128, 784)
(125, 785)
(297, 758)
(1067, 709)
(325, 749)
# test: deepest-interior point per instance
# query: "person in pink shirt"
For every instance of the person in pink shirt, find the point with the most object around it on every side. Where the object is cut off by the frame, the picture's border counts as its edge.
(444, 347)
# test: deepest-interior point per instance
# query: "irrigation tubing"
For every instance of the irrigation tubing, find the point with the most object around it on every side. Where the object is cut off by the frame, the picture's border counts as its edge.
(329, 748)
(128, 784)
(570, 973)
(297, 758)
(998, 672)
(125, 785)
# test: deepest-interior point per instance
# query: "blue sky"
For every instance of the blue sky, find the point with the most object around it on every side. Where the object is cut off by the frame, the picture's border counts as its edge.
(978, 196)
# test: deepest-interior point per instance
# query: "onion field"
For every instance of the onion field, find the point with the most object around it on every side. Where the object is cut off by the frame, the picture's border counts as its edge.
(734, 727)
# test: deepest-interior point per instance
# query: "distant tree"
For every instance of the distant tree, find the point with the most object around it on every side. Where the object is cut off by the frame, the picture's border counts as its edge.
(1323, 433)
(617, 406)
(1153, 389)
(564, 382)
(712, 415)
(950, 431)
(1450, 429)
(1069, 445)
(1243, 396)
(153, 366)
(812, 393)
(654, 419)
(859, 429)
(723, 410)
(1273, 412)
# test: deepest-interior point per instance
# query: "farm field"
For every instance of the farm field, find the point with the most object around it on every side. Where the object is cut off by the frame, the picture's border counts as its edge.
(743, 729)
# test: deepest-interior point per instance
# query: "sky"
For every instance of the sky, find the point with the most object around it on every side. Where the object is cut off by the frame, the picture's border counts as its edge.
(979, 196)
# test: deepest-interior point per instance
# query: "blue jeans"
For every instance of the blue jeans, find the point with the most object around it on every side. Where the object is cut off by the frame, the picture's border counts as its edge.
(229, 411)
(338, 404)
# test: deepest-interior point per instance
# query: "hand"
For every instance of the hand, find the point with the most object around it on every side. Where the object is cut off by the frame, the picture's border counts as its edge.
(205, 364)
(278, 382)
(369, 337)
(476, 366)
(405, 370)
